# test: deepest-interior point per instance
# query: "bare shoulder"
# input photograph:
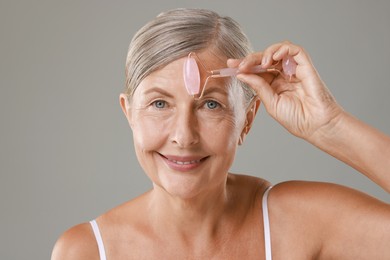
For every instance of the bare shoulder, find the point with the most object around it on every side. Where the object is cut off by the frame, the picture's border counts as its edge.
(320, 217)
(319, 192)
(79, 242)
(76, 243)
(322, 199)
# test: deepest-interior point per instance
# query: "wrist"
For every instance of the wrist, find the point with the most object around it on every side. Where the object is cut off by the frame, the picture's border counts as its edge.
(332, 131)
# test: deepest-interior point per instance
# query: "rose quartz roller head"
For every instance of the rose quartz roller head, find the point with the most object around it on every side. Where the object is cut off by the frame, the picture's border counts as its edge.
(191, 72)
(191, 76)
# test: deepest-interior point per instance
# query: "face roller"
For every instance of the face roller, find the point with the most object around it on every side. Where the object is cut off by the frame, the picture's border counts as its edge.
(191, 76)
(191, 72)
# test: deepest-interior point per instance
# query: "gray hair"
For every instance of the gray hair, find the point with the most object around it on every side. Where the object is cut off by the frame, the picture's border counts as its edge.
(174, 34)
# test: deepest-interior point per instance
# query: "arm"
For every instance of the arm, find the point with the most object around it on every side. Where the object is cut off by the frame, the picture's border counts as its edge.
(307, 109)
(359, 145)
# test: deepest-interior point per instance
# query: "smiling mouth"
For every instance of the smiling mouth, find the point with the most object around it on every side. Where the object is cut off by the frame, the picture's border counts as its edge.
(187, 162)
(184, 163)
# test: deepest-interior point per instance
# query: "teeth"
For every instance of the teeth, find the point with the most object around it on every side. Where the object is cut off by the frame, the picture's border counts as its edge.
(184, 163)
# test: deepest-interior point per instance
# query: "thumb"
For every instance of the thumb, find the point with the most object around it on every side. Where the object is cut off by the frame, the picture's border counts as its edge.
(263, 90)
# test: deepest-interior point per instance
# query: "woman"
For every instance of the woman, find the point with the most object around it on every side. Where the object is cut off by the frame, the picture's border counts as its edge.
(186, 145)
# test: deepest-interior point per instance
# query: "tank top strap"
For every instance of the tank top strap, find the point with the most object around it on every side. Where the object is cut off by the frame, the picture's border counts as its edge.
(267, 232)
(99, 239)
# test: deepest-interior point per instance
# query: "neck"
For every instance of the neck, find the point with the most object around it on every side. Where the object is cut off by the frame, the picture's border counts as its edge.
(186, 217)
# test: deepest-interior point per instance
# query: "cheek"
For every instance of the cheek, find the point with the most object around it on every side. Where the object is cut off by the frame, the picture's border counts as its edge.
(221, 131)
(149, 133)
(221, 136)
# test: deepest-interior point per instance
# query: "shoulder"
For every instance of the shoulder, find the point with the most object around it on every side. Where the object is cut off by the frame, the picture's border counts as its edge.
(76, 243)
(305, 215)
(313, 209)
(298, 193)
(319, 198)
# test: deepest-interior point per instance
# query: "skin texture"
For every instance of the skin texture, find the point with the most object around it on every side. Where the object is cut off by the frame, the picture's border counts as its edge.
(197, 210)
(184, 129)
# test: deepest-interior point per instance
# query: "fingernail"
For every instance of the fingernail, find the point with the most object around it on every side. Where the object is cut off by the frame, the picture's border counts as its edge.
(264, 61)
(241, 78)
(242, 64)
(276, 54)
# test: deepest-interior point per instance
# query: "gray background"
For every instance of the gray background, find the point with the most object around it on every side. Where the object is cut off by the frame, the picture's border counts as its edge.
(66, 152)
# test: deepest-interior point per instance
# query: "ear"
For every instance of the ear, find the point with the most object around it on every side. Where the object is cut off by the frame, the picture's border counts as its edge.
(124, 102)
(250, 118)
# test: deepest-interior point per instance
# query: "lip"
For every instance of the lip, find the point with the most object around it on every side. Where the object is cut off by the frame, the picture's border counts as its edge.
(183, 163)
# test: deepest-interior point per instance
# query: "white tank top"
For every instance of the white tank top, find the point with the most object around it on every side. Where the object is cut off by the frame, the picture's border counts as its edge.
(267, 232)
(99, 239)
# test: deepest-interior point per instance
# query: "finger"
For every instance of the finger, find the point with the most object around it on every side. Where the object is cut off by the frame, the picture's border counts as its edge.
(267, 59)
(278, 51)
(250, 61)
(233, 63)
(263, 90)
(286, 49)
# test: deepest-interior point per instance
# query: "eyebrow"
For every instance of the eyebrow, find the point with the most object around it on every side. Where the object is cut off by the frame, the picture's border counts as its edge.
(158, 90)
(217, 89)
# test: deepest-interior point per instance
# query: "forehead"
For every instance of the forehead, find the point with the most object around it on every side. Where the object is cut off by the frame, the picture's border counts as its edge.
(212, 60)
(172, 73)
(169, 82)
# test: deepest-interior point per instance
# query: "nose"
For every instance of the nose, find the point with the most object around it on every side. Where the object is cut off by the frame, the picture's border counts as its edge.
(185, 130)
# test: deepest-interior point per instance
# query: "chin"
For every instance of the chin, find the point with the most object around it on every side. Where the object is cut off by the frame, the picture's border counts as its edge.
(186, 188)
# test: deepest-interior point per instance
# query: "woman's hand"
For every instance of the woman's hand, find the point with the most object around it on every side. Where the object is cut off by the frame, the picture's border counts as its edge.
(303, 105)
(306, 108)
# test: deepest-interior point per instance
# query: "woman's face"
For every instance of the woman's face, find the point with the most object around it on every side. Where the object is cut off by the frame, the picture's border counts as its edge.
(186, 146)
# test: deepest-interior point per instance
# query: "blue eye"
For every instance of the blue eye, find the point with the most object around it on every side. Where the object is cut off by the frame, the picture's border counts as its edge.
(212, 104)
(159, 104)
